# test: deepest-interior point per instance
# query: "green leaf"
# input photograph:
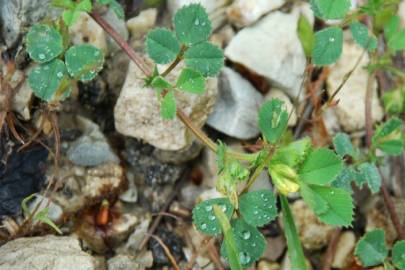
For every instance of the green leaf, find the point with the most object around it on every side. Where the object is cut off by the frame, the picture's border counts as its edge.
(333, 206)
(205, 58)
(388, 137)
(315, 8)
(391, 27)
(361, 35)
(204, 217)
(44, 43)
(295, 252)
(343, 145)
(371, 249)
(392, 147)
(191, 81)
(371, 175)
(249, 241)
(24, 205)
(394, 101)
(397, 41)
(63, 4)
(220, 160)
(320, 167)
(70, 16)
(84, 61)
(42, 216)
(160, 83)
(168, 106)
(47, 80)
(162, 46)
(229, 239)
(344, 179)
(192, 24)
(84, 5)
(258, 207)
(306, 35)
(398, 255)
(118, 9)
(293, 154)
(333, 9)
(328, 46)
(387, 128)
(272, 120)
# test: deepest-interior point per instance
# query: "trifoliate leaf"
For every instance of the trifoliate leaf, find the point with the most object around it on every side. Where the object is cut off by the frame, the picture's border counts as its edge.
(343, 145)
(44, 43)
(162, 46)
(168, 106)
(320, 167)
(204, 217)
(258, 207)
(333, 9)
(391, 27)
(160, 83)
(371, 249)
(84, 61)
(191, 81)
(272, 120)
(362, 36)
(293, 154)
(328, 46)
(192, 24)
(249, 241)
(371, 175)
(306, 35)
(398, 255)
(333, 206)
(205, 58)
(47, 79)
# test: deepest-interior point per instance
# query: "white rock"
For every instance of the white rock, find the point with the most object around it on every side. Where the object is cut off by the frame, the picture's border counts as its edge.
(305, 9)
(216, 9)
(137, 112)
(265, 265)
(344, 249)
(48, 252)
(401, 13)
(350, 109)
(245, 12)
(141, 24)
(236, 111)
(288, 106)
(331, 121)
(86, 30)
(272, 51)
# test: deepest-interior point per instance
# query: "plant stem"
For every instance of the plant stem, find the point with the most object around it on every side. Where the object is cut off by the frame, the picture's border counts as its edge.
(175, 62)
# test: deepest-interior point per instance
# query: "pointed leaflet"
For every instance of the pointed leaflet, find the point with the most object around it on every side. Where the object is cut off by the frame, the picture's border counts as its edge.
(343, 145)
(162, 46)
(258, 207)
(160, 83)
(44, 43)
(388, 137)
(191, 81)
(320, 167)
(272, 120)
(168, 106)
(371, 249)
(333, 206)
(84, 61)
(192, 24)
(362, 36)
(205, 58)
(328, 46)
(398, 255)
(333, 9)
(306, 35)
(249, 241)
(204, 217)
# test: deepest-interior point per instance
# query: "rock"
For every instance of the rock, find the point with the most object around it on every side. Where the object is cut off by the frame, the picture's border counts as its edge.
(126, 262)
(401, 13)
(181, 156)
(223, 36)
(265, 265)
(172, 241)
(140, 25)
(305, 9)
(245, 12)
(119, 26)
(275, 248)
(215, 8)
(92, 148)
(131, 194)
(344, 250)
(86, 30)
(115, 71)
(17, 14)
(286, 264)
(55, 212)
(262, 182)
(351, 106)
(236, 111)
(313, 233)
(288, 106)
(136, 237)
(283, 61)
(201, 261)
(21, 99)
(47, 252)
(331, 121)
(137, 112)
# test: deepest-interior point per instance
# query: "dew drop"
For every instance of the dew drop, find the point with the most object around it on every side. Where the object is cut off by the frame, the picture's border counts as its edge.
(197, 22)
(41, 56)
(244, 258)
(208, 208)
(246, 235)
(59, 74)
(332, 192)
(256, 212)
(331, 39)
(223, 207)
(211, 217)
(203, 226)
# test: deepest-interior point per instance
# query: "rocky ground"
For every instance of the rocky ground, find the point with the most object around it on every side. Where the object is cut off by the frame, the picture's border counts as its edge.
(117, 150)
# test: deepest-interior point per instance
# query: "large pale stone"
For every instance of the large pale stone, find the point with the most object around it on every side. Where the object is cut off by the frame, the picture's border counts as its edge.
(344, 250)
(350, 109)
(48, 252)
(272, 51)
(246, 12)
(137, 112)
(236, 111)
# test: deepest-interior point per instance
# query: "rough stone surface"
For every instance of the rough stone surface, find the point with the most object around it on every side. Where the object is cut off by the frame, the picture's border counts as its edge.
(126, 262)
(236, 110)
(246, 12)
(86, 30)
(48, 252)
(344, 250)
(140, 25)
(288, 106)
(179, 157)
(351, 106)
(119, 26)
(216, 9)
(137, 112)
(272, 51)
(265, 265)
(313, 233)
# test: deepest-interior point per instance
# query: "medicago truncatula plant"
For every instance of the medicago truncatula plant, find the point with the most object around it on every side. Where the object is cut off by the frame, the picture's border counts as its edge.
(319, 175)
